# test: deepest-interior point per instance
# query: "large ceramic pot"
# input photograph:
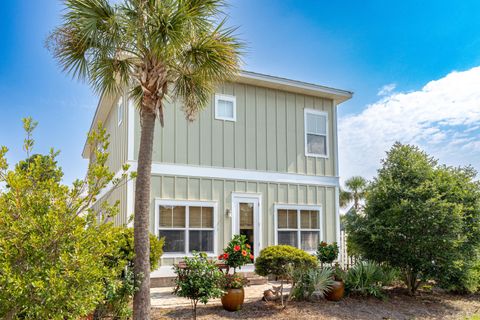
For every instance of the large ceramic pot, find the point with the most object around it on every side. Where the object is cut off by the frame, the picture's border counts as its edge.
(233, 299)
(336, 294)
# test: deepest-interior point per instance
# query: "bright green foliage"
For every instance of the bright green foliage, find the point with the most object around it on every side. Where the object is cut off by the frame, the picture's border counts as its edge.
(284, 262)
(278, 260)
(420, 217)
(51, 243)
(119, 291)
(233, 281)
(368, 278)
(237, 253)
(198, 281)
(318, 280)
(327, 253)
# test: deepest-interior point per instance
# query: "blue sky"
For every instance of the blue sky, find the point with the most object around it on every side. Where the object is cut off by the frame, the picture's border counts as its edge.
(362, 46)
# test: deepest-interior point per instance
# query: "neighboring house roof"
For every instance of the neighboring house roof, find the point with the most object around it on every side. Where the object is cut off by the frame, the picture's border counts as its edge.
(247, 77)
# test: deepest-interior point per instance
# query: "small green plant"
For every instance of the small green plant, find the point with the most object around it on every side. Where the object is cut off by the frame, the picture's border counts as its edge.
(199, 280)
(237, 253)
(368, 278)
(314, 281)
(327, 253)
(283, 261)
(233, 281)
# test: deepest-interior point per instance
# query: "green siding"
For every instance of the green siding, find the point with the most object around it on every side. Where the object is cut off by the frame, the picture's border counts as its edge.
(117, 194)
(267, 136)
(220, 191)
(117, 137)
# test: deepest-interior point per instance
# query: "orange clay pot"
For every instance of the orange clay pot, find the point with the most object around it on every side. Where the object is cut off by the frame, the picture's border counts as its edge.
(233, 299)
(337, 292)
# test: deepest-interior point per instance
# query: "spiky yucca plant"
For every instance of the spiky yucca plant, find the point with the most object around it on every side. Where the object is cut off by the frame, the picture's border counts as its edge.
(158, 49)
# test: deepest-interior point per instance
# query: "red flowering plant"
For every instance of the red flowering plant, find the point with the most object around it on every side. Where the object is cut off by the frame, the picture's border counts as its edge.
(237, 253)
(233, 281)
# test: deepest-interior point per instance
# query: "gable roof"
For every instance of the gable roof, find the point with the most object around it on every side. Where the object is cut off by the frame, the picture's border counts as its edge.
(246, 77)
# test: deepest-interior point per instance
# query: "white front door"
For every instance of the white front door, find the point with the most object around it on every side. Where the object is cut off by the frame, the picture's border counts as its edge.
(246, 218)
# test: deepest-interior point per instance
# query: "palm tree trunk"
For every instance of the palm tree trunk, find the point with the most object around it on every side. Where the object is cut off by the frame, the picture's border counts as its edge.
(141, 299)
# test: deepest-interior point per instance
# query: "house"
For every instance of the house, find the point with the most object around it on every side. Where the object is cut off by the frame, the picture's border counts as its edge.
(260, 160)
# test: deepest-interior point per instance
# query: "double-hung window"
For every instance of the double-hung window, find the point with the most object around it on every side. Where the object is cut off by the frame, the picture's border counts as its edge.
(225, 107)
(298, 226)
(186, 225)
(316, 133)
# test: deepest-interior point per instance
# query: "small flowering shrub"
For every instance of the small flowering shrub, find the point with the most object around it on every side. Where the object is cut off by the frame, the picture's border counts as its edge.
(327, 253)
(233, 281)
(237, 253)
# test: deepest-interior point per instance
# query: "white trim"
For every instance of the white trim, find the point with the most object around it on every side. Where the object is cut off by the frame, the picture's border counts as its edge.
(307, 111)
(131, 131)
(188, 203)
(130, 205)
(299, 229)
(228, 98)
(256, 199)
(238, 174)
(337, 222)
(120, 110)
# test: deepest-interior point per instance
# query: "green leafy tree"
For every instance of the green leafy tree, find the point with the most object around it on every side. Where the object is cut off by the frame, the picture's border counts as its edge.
(284, 262)
(159, 49)
(50, 240)
(198, 280)
(419, 217)
(354, 192)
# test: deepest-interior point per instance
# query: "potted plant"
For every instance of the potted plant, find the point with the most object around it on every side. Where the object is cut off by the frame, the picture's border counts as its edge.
(235, 255)
(326, 254)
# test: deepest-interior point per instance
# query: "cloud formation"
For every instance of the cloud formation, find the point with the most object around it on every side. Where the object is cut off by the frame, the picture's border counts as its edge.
(443, 118)
(386, 89)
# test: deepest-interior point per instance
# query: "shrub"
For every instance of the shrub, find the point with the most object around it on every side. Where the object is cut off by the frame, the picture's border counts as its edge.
(51, 245)
(237, 253)
(198, 281)
(327, 253)
(317, 281)
(233, 281)
(368, 278)
(281, 261)
(120, 290)
(420, 217)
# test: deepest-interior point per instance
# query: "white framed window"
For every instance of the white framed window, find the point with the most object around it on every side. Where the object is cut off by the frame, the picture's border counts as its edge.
(298, 226)
(316, 133)
(120, 111)
(187, 226)
(225, 107)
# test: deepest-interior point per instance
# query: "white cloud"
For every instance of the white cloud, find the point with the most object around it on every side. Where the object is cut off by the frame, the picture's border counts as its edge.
(443, 118)
(386, 89)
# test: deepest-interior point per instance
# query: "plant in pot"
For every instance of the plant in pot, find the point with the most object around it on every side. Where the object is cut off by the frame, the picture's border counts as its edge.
(235, 255)
(326, 254)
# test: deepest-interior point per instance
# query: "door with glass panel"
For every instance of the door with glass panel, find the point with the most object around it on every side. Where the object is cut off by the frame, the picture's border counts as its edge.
(246, 221)
(298, 227)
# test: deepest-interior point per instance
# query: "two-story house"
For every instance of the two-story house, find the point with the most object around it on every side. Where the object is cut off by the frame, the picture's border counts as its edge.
(260, 160)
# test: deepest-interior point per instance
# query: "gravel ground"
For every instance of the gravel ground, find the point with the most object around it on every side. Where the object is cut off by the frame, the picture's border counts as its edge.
(398, 305)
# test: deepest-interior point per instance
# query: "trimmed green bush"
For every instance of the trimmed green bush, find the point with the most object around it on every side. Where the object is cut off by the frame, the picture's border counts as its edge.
(283, 261)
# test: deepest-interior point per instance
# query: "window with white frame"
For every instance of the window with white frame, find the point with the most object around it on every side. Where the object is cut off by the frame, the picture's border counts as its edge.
(186, 226)
(120, 111)
(316, 133)
(225, 107)
(298, 227)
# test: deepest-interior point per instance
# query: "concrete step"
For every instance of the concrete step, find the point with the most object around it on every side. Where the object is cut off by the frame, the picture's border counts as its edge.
(168, 281)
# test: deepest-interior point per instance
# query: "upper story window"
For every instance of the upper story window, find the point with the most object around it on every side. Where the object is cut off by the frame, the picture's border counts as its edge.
(120, 111)
(187, 226)
(298, 226)
(225, 107)
(316, 133)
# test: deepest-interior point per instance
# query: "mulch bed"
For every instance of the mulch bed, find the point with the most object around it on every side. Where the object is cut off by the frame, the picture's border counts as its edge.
(398, 305)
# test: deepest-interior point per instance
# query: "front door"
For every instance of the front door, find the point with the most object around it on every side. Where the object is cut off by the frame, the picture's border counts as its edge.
(246, 219)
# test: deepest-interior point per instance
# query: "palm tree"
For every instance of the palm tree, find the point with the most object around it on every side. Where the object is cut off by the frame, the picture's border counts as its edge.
(158, 49)
(355, 191)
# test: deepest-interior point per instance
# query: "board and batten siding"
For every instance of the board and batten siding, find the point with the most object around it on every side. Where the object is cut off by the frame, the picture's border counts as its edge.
(268, 134)
(220, 191)
(117, 194)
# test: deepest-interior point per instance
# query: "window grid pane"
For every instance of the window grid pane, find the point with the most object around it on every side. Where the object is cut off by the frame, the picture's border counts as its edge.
(174, 240)
(316, 144)
(201, 241)
(309, 240)
(288, 238)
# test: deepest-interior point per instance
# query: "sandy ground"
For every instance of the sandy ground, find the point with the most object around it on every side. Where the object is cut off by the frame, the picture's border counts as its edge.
(398, 305)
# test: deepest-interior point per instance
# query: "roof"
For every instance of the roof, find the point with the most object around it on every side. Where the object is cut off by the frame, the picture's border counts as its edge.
(246, 77)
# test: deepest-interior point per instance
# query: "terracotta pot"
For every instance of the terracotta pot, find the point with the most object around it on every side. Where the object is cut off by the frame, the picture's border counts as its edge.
(336, 294)
(233, 299)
